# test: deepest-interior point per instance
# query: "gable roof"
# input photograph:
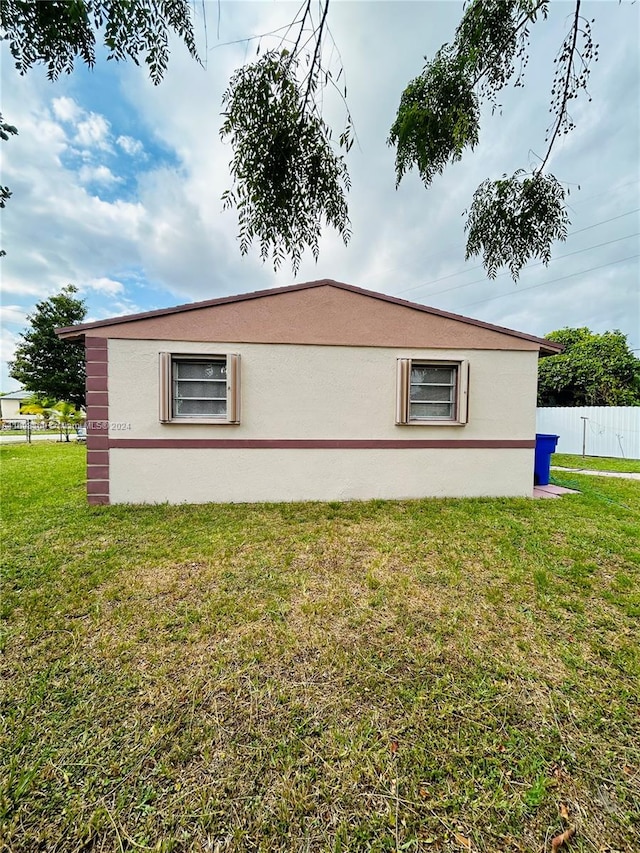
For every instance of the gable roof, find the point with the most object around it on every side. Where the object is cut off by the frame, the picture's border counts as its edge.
(282, 321)
(20, 394)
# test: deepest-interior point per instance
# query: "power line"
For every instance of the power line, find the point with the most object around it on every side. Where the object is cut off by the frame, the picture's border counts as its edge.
(604, 222)
(580, 201)
(442, 278)
(537, 264)
(553, 281)
(479, 266)
(443, 249)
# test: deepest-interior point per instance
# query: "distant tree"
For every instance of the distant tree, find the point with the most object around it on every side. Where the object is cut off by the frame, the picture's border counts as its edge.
(39, 406)
(66, 415)
(593, 370)
(44, 364)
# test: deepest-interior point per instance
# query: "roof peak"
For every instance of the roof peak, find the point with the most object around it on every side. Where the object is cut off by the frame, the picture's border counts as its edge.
(78, 331)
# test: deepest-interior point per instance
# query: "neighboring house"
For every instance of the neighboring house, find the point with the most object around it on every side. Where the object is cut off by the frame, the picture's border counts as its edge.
(319, 391)
(10, 408)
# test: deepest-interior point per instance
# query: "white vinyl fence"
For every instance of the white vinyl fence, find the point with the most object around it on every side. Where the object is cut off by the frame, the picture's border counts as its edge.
(605, 430)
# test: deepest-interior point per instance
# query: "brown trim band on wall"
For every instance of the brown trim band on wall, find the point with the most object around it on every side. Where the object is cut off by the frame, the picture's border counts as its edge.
(319, 443)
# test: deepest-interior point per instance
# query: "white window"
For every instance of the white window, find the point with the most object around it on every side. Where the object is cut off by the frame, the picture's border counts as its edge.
(432, 392)
(199, 388)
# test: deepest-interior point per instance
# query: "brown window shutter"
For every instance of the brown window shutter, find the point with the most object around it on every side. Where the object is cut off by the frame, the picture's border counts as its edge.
(463, 393)
(165, 387)
(402, 390)
(233, 388)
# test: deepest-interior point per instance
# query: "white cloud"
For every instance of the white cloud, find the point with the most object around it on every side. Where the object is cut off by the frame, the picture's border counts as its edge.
(12, 315)
(66, 109)
(104, 285)
(8, 344)
(132, 147)
(97, 174)
(16, 285)
(93, 132)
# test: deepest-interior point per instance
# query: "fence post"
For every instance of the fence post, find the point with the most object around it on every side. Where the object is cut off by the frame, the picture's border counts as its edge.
(584, 434)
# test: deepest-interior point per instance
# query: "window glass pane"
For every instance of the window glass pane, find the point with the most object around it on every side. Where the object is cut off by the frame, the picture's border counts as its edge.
(194, 388)
(431, 393)
(199, 388)
(428, 373)
(431, 410)
(201, 370)
(200, 408)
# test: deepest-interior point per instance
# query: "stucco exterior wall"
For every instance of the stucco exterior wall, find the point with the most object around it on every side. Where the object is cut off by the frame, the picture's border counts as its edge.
(10, 409)
(202, 476)
(329, 314)
(317, 393)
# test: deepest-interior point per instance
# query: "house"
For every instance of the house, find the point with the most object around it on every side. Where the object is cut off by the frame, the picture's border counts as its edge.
(318, 391)
(10, 408)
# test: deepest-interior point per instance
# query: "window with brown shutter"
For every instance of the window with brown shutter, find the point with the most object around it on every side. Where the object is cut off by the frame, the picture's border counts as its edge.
(199, 388)
(432, 393)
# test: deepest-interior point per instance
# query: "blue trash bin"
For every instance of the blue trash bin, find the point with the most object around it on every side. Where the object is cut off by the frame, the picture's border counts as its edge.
(545, 446)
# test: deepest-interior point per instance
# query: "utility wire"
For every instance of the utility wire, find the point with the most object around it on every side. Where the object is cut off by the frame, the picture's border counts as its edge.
(553, 280)
(537, 264)
(613, 218)
(479, 266)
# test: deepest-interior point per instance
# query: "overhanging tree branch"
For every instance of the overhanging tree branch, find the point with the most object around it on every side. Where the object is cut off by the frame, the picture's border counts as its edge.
(517, 217)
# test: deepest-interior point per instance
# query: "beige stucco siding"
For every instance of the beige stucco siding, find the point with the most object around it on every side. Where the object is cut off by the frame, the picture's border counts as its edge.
(10, 409)
(322, 392)
(201, 476)
(318, 393)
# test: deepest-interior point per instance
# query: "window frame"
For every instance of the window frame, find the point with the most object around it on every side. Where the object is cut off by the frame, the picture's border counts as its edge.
(167, 362)
(403, 393)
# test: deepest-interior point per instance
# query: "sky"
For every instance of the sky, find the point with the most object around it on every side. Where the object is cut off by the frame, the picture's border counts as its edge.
(117, 184)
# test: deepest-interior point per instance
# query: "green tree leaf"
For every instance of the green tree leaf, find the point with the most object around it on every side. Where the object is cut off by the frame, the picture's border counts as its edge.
(46, 365)
(515, 219)
(594, 370)
(288, 179)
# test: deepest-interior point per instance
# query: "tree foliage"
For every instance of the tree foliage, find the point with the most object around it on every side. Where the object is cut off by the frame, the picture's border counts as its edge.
(518, 217)
(66, 415)
(287, 176)
(439, 116)
(594, 370)
(288, 179)
(46, 365)
(39, 406)
(6, 130)
(515, 218)
(57, 32)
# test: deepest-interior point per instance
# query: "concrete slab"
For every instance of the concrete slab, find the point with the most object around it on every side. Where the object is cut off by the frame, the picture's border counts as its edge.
(624, 475)
(552, 491)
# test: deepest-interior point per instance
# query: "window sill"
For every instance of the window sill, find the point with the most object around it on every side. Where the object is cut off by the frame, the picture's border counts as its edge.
(433, 423)
(201, 422)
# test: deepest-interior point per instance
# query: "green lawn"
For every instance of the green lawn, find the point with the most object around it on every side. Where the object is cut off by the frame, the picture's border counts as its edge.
(54, 432)
(596, 463)
(434, 675)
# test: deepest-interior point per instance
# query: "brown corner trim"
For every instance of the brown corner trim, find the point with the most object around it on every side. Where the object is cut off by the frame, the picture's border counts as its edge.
(316, 444)
(97, 409)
